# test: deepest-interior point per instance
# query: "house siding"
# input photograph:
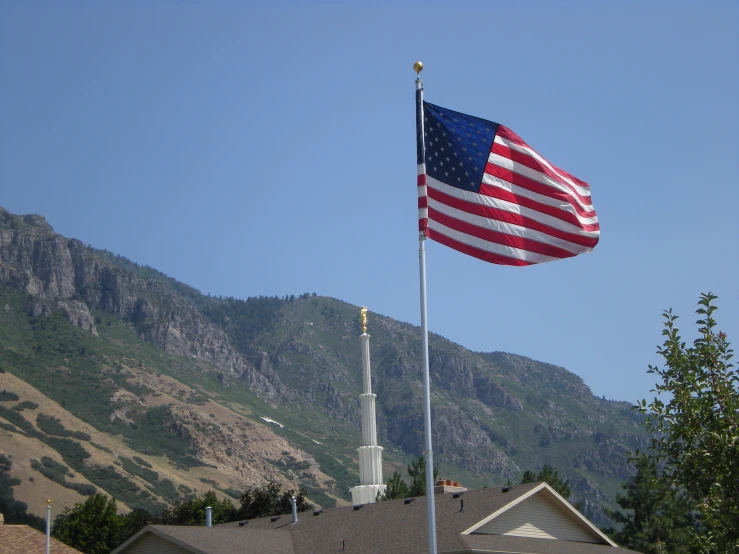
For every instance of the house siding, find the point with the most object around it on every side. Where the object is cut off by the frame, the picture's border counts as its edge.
(538, 517)
(149, 543)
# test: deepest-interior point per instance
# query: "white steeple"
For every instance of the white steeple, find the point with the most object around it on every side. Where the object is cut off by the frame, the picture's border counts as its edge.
(370, 455)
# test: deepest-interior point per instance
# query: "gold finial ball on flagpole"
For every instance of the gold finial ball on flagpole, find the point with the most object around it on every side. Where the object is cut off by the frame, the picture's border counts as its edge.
(418, 67)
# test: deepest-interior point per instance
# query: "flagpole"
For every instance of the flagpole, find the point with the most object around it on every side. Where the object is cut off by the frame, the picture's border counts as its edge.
(428, 453)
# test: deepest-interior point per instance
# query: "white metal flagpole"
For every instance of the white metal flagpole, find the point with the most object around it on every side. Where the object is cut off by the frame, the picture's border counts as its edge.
(428, 453)
(48, 524)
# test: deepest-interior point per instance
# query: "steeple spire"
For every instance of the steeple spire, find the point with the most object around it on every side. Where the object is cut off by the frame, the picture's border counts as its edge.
(370, 454)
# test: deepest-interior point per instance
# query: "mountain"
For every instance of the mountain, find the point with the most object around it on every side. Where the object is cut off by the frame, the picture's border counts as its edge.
(187, 392)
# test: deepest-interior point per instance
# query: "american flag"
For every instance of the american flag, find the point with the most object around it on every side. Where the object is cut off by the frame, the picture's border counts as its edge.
(485, 192)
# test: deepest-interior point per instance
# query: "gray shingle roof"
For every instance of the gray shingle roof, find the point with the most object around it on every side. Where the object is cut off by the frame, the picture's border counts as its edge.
(204, 540)
(394, 527)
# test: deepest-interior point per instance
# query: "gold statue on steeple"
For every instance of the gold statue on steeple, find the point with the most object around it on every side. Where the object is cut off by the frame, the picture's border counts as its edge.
(363, 318)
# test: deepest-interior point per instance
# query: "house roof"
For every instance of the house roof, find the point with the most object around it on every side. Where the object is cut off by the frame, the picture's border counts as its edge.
(397, 526)
(206, 540)
(22, 538)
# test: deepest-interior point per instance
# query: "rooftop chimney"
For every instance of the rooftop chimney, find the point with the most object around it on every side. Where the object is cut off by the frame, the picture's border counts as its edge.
(209, 517)
(294, 502)
(445, 485)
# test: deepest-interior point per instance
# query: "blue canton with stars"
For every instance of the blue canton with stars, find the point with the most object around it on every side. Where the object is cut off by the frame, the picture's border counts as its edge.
(457, 146)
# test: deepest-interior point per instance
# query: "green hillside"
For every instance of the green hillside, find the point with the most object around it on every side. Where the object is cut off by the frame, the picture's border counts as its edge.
(141, 357)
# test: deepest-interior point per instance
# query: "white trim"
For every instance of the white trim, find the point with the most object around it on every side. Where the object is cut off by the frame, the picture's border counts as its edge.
(532, 492)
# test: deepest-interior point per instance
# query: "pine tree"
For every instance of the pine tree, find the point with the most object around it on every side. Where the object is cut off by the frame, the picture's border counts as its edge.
(396, 488)
(417, 472)
(551, 477)
(657, 517)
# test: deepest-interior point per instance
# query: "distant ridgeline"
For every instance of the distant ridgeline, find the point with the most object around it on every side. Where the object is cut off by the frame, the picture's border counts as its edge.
(150, 367)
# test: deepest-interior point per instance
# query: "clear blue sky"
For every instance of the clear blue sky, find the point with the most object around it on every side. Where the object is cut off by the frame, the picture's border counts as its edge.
(270, 150)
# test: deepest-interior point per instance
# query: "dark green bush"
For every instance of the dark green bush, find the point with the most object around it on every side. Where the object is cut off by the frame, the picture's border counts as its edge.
(83, 488)
(16, 419)
(51, 469)
(135, 469)
(142, 462)
(6, 395)
(25, 405)
(101, 447)
(52, 426)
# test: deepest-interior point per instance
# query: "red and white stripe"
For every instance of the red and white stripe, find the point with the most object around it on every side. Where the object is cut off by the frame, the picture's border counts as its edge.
(527, 211)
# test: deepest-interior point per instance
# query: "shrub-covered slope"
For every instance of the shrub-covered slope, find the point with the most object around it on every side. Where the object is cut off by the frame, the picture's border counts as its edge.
(120, 330)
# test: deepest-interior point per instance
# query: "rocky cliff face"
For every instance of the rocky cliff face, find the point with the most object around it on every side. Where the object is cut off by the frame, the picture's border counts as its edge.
(57, 273)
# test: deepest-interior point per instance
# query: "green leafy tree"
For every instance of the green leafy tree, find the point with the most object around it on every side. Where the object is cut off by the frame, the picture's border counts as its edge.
(417, 472)
(192, 511)
(396, 488)
(133, 522)
(93, 527)
(551, 477)
(271, 500)
(657, 517)
(14, 510)
(695, 426)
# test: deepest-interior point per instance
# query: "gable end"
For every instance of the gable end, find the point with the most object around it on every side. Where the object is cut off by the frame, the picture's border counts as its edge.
(543, 514)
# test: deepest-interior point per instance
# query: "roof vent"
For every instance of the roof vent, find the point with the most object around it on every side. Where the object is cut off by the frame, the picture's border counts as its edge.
(457, 494)
(294, 502)
(274, 518)
(358, 507)
(317, 512)
(242, 523)
(408, 500)
(506, 489)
